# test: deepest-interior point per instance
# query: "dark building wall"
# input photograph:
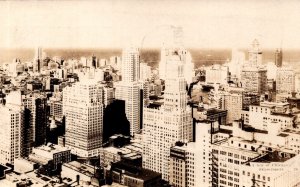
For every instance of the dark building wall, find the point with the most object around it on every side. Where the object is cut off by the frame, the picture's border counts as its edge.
(41, 122)
(115, 120)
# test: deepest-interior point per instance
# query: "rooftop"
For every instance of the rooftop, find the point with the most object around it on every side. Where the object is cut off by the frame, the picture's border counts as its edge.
(134, 171)
(248, 128)
(272, 157)
(85, 169)
(283, 114)
(52, 148)
(292, 131)
(155, 105)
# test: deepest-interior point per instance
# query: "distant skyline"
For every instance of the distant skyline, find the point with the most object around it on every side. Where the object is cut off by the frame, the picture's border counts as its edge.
(117, 23)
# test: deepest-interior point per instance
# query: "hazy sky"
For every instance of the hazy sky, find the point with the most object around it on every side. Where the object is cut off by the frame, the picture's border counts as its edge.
(112, 23)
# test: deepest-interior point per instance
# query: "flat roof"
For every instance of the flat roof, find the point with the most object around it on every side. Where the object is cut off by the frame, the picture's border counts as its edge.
(52, 148)
(283, 114)
(292, 131)
(249, 128)
(271, 157)
(134, 171)
(85, 169)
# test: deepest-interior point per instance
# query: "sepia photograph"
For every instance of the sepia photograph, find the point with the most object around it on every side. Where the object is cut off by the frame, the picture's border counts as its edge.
(149, 93)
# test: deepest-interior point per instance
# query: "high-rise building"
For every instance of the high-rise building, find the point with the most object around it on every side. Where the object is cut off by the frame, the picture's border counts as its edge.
(237, 61)
(129, 88)
(83, 109)
(130, 93)
(185, 58)
(36, 119)
(217, 74)
(278, 57)
(233, 103)
(11, 134)
(254, 79)
(285, 80)
(255, 54)
(191, 163)
(165, 124)
(130, 65)
(145, 71)
(38, 59)
(177, 47)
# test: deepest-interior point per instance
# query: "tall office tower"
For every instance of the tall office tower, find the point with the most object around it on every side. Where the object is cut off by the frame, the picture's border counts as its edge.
(130, 93)
(285, 80)
(130, 65)
(217, 74)
(145, 71)
(83, 109)
(185, 56)
(36, 119)
(38, 60)
(94, 61)
(254, 79)
(278, 57)
(255, 54)
(129, 88)
(145, 93)
(233, 103)
(11, 134)
(165, 124)
(236, 64)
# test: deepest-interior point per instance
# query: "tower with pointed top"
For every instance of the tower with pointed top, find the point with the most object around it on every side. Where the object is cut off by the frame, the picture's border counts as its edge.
(165, 124)
(278, 58)
(38, 59)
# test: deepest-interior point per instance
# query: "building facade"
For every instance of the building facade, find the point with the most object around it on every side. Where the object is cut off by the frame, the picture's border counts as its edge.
(165, 124)
(83, 109)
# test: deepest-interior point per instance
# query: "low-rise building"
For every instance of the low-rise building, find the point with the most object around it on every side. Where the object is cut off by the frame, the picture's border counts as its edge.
(79, 173)
(51, 152)
(130, 175)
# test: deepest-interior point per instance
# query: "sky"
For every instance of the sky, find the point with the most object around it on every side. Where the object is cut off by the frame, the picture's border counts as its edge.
(147, 23)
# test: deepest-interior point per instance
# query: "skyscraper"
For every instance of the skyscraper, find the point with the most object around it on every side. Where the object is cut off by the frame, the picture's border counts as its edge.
(184, 55)
(254, 79)
(83, 109)
(36, 120)
(11, 134)
(278, 57)
(285, 80)
(38, 60)
(255, 54)
(165, 124)
(130, 65)
(129, 89)
(130, 93)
